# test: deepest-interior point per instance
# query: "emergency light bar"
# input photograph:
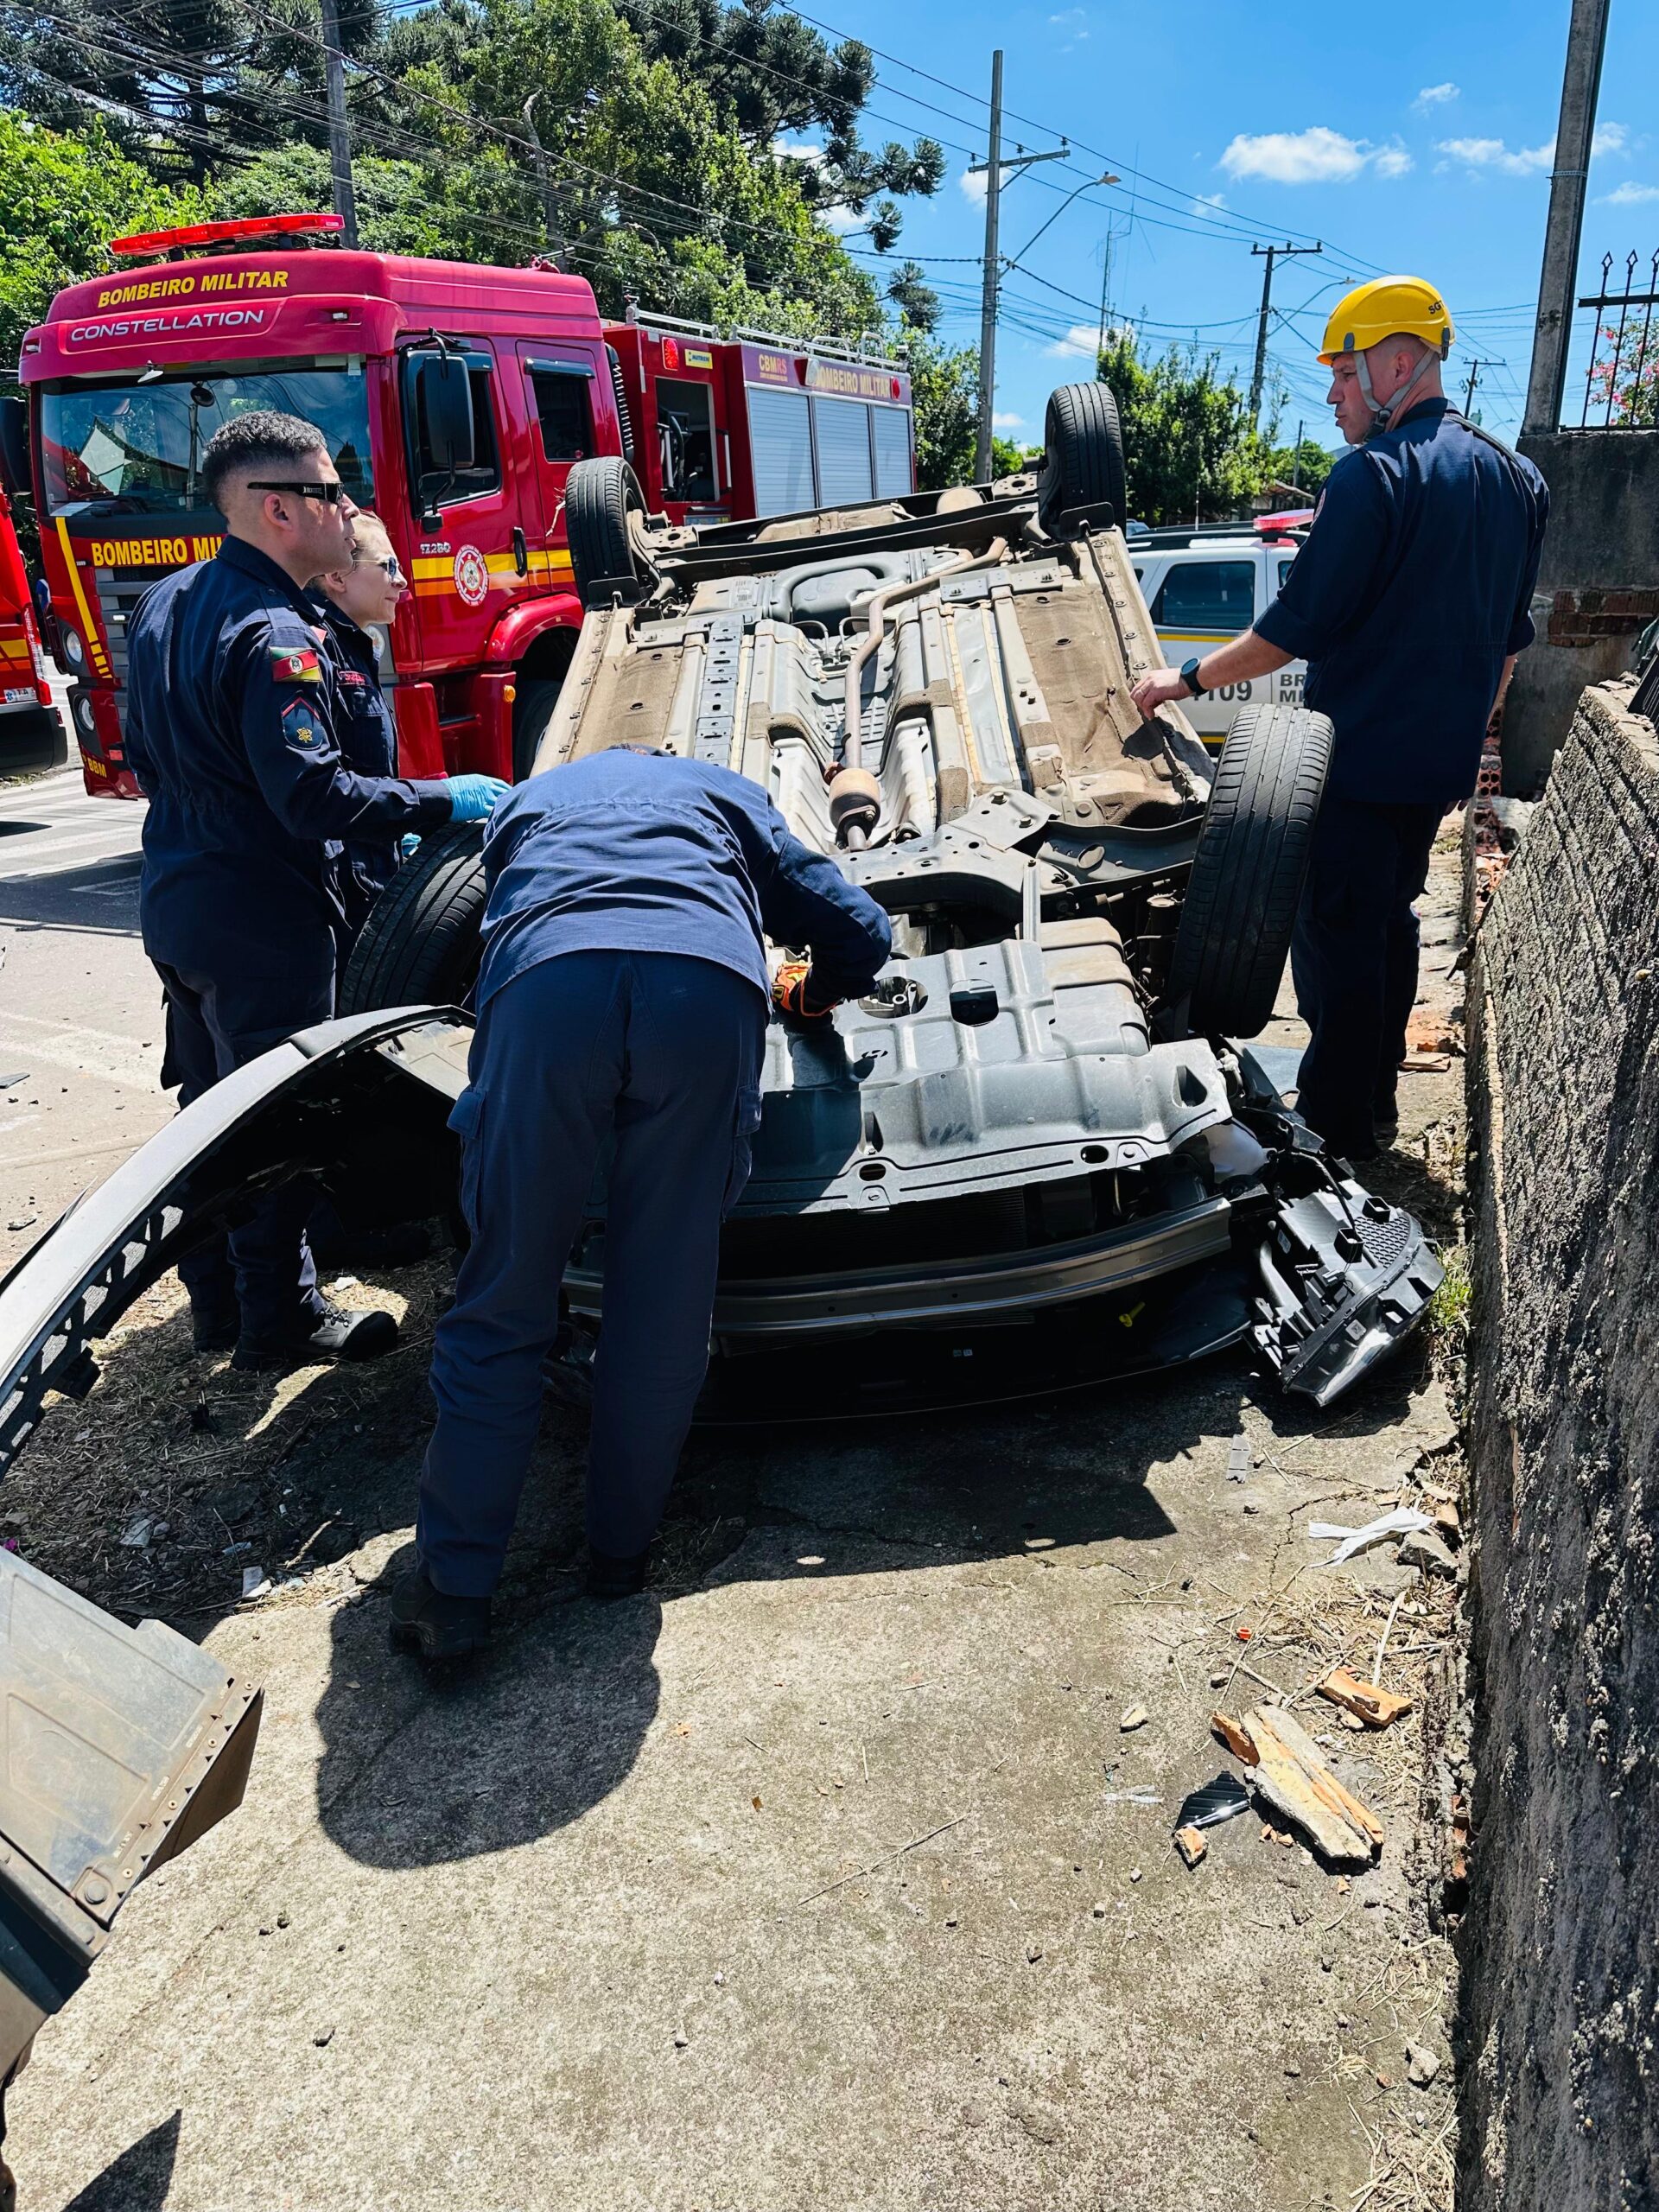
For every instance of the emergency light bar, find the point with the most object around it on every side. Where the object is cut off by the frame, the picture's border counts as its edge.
(241, 228)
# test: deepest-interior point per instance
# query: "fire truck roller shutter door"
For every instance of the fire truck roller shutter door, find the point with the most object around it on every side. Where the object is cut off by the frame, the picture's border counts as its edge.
(893, 469)
(840, 431)
(780, 450)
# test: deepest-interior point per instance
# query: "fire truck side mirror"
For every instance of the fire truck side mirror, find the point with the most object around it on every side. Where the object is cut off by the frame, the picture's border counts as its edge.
(446, 406)
(14, 445)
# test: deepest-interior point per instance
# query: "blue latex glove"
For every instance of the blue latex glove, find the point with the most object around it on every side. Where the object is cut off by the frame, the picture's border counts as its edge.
(471, 797)
(409, 846)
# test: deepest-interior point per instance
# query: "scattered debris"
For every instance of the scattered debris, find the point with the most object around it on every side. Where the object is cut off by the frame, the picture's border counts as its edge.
(1134, 1873)
(1291, 1779)
(1236, 1736)
(1448, 1523)
(1191, 1844)
(1215, 1801)
(1033, 1953)
(324, 2037)
(203, 1419)
(26, 1220)
(1144, 1795)
(1136, 1717)
(1238, 1458)
(255, 1582)
(139, 1533)
(1423, 1549)
(235, 1504)
(1219, 1680)
(1368, 1702)
(1427, 1063)
(1405, 1520)
(1423, 2065)
(10, 1081)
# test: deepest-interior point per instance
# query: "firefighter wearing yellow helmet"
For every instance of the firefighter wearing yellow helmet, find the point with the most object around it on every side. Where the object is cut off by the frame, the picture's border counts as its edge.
(1409, 601)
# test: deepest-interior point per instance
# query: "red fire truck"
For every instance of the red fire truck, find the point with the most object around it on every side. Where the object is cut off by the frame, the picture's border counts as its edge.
(31, 732)
(130, 374)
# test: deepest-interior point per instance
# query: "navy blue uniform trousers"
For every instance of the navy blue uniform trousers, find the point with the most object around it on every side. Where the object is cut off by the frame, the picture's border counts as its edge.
(1354, 960)
(263, 1274)
(661, 1051)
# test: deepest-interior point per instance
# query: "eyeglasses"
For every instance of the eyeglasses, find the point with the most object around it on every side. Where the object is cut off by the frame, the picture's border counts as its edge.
(387, 563)
(330, 494)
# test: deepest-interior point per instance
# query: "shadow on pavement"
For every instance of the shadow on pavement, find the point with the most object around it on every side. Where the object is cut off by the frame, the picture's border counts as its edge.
(140, 2180)
(100, 899)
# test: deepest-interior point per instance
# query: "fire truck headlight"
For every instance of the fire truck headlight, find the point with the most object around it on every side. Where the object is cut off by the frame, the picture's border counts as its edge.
(73, 651)
(85, 718)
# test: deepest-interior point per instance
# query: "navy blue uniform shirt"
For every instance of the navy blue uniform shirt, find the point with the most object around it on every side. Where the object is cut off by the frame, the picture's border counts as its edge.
(1411, 589)
(231, 721)
(368, 743)
(631, 852)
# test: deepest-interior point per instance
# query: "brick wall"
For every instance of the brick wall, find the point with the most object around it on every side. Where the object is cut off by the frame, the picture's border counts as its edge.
(1560, 1941)
(1584, 617)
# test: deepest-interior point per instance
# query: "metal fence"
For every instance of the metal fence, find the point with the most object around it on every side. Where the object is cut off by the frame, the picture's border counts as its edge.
(1621, 384)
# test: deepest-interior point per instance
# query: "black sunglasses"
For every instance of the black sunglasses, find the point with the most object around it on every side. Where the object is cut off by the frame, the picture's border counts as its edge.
(389, 565)
(330, 494)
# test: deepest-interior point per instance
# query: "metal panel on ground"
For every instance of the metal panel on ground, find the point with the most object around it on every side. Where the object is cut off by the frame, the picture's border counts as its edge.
(780, 447)
(841, 430)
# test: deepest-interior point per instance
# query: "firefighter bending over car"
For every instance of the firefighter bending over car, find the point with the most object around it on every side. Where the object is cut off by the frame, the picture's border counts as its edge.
(233, 724)
(622, 1011)
(1409, 602)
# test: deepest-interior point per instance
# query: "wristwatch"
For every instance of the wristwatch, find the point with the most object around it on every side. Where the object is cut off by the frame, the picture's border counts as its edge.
(1189, 677)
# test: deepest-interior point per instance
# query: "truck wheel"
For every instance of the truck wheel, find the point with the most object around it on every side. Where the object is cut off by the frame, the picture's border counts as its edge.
(532, 710)
(598, 497)
(1083, 454)
(1234, 935)
(419, 945)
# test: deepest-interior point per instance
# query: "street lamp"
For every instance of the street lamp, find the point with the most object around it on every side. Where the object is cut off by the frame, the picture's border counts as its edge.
(1088, 185)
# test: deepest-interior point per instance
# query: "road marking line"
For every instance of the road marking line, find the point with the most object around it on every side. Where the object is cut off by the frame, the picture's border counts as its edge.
(85, 1051)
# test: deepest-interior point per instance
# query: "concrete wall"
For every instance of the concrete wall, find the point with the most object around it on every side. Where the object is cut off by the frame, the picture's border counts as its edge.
(1562, 1936)
(1601, 577)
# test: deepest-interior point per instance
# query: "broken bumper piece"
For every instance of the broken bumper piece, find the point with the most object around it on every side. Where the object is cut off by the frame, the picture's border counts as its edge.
(1344, 1277)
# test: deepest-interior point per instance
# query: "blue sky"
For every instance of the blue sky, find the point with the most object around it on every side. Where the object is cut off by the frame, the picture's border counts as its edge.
(1424, 148)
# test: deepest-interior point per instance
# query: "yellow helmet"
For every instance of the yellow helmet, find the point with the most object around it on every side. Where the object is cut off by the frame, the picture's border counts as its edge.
(1377, 310)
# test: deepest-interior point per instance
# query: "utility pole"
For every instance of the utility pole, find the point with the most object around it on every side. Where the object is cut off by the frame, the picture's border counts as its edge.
(1296, 457)
(549, 205)
(1580, 83)
(339, 131)
(992, 169)
(1475, 368)
(1274, 253)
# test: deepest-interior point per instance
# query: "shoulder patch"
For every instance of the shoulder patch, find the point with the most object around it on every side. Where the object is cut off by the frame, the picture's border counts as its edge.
(294, 665)
(301, 727)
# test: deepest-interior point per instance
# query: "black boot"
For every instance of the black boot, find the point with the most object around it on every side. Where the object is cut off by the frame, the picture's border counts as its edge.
(424, 1619)
(215, 1328)
(616, 1578)
(339, 1334)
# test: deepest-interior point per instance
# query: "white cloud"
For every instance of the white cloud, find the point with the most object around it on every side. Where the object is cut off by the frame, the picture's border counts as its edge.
(1434, 96)
(797, 150)
(840, 219)
(1209, 203)
(1081, 341)
(1074, 20)
(1608, 138)
(1630, 194)
(1317, 156)
(1008, 422)
(1493, 154)
(972, 187)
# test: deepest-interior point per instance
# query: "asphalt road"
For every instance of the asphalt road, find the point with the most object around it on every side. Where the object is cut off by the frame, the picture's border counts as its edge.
(80, 1020)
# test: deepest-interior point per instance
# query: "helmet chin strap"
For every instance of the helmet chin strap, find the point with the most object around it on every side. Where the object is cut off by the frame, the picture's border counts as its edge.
(1384, 410)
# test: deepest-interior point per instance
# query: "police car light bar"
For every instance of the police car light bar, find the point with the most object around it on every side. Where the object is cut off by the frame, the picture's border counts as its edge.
(227, 233)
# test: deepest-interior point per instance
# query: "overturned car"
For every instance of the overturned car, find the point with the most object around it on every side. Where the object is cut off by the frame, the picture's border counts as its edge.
(1039, 1152)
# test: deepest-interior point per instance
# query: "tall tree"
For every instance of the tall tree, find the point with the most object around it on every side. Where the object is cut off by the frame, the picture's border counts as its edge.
(1191, 452)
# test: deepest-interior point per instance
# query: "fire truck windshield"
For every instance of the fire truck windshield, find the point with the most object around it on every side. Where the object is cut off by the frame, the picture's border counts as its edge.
(135, 448)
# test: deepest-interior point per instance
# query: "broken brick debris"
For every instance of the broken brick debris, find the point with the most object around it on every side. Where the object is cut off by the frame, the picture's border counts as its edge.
(1236, 1736)
(1291, 1779)
(1368, 1702)
(1191, 1844)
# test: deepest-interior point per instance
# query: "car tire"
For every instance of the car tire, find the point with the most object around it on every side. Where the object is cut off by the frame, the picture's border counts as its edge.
(420, 944)
(599, 497)
(1234, 934)
(532, 710)
(1083, 454)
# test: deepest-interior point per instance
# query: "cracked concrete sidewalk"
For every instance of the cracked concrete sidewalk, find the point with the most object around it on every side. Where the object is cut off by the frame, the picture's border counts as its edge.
(822, 1874)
